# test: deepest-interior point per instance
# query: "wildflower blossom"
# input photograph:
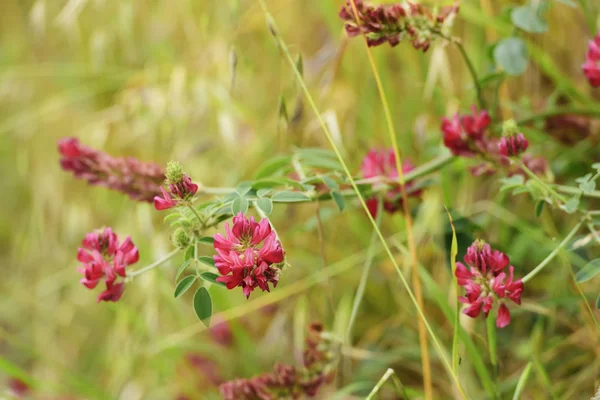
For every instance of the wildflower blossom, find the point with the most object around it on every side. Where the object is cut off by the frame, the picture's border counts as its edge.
(104, 258)
(486, 282)
(382, 163)
(139, 180)
(181, 188)
(466, 135)
(393, 23)
(248, 255)
(513, 142)
(287, 381)
(591, 67)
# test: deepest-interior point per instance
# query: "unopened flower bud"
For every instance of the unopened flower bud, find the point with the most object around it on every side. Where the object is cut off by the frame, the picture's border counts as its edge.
(513, 146)
(174, 172)
(180, 238)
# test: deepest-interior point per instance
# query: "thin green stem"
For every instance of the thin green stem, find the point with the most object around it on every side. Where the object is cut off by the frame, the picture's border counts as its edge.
(522, 381)
(275, 33)
(575, 191)
(196, 214)
(471, 67)
(153, 265)
(594, 232)
(380, 383)
(492, 348)
(594, 112)
(553, 254)
(541, 182)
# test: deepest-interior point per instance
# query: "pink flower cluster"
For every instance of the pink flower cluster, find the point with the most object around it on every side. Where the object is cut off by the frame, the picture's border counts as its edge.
(248, 255)
(382, 164)
(139, 180)
(591, 67)
(485, 281)
(103, 257)
(394, 22)
(513, 146)
(466, 135)
(287, 381)
(179, 191)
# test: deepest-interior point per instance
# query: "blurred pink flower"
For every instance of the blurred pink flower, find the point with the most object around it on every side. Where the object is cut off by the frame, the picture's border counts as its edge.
(591, 67)
(139, 180)
(382, 163)
(18, 388)
(103, 257)
(486, 282)
(392, 23)
(466, 135)
(513, 145)
(248, 255)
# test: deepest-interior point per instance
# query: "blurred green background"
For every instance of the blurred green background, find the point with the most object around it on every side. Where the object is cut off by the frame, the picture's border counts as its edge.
(201, 82)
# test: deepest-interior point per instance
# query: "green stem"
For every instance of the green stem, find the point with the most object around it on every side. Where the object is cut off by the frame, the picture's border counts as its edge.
(541, 182)
(379, 384)
(471, 68)
(492, 348)
(153, 265)
(594, 112)
(575, 191)
(196, 214)
(547, 260)
(522, 381)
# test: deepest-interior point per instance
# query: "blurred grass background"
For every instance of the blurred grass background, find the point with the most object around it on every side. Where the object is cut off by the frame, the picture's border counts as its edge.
(201, 82)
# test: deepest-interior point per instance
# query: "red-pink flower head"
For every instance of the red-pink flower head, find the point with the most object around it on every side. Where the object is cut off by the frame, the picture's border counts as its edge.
(181, 188)
(465, 135)
(248, 255)
(382, 164)
(485, 281)
(139, 180)
(513, 142)
(103, 257)
(591, 67)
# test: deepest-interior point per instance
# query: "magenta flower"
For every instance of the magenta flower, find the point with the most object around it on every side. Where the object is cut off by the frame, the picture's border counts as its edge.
(486, 282)
(103, 257)
(139, 180)
(392, 23)
(181, 188)
(513, 145)
(591, 67)
(248, 255)
(465, 135)
(382, 164)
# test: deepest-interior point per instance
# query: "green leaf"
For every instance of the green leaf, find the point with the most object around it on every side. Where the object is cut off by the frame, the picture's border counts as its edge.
(243, 188)
(511, 55)
(189, 253)
(283, 113)
(512, 182)
(598, 303)
(453, 253)
(272, 166)
(527, 18)
(583, 179)
(571, 206)
(184, 285)
(206, 260)
(330, 183)
(265, 204)
(596, 166)
(588, 187)
(239, 205)
(203, 305)
(289, 197)
(590, 270)
(263, 192)
(208, 240)
(211, 277)
(539, 208)
(300, 65)
(339, 200)
(181, 269)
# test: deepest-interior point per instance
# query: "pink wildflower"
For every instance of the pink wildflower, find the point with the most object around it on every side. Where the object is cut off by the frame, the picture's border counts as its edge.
(139, 180)
(382, 163)
(513, 146)
(591, 67)
(103, 257)
(486, 282)
(466, 135)
(248, 255)
(181, 188)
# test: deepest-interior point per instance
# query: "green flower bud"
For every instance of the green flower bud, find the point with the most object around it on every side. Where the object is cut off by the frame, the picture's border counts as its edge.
(510, 128)
(174, 172)
(180, 238)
